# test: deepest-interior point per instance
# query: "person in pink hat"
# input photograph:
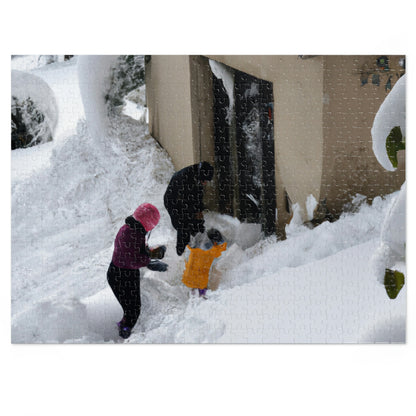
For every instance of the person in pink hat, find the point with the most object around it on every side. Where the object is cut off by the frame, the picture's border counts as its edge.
(130, 254)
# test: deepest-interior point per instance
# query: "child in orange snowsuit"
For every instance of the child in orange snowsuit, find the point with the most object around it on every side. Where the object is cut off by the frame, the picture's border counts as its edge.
(196, 274)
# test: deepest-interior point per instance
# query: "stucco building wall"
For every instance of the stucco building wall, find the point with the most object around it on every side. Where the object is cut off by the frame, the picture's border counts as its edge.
(323, 115)
(349, 110)
(168, 96)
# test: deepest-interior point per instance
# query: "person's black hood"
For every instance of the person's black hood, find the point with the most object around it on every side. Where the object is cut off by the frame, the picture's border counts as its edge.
(135, 225)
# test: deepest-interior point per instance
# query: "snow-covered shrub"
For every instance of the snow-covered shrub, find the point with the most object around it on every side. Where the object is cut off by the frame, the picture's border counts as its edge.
(127, 76)
(388, 132)
(34, 113)
(29, 126)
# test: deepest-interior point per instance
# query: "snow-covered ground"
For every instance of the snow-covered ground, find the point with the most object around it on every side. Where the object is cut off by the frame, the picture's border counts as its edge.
(70, 196)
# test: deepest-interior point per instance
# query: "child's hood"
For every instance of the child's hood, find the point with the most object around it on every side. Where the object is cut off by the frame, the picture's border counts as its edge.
(135, 225)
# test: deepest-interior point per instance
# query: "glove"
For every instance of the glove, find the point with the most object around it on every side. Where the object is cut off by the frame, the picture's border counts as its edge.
(157, 252)
(157, 266)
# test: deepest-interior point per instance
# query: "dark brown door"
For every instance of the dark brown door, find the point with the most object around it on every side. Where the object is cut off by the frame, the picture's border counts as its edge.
(244, 150)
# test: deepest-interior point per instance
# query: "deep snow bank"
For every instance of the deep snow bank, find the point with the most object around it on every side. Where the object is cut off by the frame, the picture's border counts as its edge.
(72, 207)
(306, 246)
(296, 291)
(332, 300)
(67, 207)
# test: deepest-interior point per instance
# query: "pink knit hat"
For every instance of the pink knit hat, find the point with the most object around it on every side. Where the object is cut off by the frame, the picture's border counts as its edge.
(148, 215)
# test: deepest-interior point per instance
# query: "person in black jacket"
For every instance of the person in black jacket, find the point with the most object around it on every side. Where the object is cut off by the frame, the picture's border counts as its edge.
(184, 201)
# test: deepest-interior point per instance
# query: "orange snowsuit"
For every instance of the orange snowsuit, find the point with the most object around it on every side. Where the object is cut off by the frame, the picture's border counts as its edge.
(197, 267)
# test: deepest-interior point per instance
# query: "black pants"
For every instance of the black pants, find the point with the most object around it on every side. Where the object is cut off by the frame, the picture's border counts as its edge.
(183, 238)
(125, 284)
(186, 228)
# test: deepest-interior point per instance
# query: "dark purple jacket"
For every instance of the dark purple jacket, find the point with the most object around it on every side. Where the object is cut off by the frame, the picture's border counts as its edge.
(130, 246)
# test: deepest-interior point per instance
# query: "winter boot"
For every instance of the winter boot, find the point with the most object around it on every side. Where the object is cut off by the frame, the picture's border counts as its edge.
(121, 323)
(203, 293)
(124, 332)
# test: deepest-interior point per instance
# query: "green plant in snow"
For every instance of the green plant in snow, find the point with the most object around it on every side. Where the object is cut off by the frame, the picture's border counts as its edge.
(393, 282)
(395, 141)
(28, 124)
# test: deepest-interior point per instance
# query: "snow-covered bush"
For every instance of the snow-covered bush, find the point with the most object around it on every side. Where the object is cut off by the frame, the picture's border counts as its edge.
(388, 132)
(29, 126)
(127, 76)
(33, 110)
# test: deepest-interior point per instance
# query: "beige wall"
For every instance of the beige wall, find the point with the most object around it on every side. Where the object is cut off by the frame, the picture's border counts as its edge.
(202, 100)
(322, 121)
(168, 98)
(349, 109)
(202, 103)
